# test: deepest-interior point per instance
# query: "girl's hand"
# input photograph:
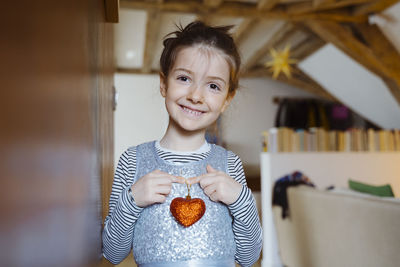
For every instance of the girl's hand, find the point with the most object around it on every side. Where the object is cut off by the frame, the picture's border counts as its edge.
(218, 186)
(154, 187)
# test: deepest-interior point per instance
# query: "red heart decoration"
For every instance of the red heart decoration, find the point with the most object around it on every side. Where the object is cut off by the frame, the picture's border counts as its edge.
(187, 211)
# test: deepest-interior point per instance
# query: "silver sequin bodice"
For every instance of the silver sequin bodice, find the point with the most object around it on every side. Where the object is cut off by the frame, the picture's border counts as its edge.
(157, 235)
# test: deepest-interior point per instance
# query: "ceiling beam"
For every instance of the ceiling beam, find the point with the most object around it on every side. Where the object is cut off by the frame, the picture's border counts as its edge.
(317, 3)
(135, 71)
(375, 7)
(285, 30)
(210, 6)
(244, 10)
(243, 30)
(267, 4)
(307, 47)
(152, 29)
(212, 3)
(368, 56)
(306, 7)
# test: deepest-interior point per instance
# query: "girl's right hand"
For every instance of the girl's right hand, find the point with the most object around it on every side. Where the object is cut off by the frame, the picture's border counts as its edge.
(154, 187)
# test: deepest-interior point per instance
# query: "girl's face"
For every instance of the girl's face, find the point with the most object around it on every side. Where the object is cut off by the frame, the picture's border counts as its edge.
(196, 89)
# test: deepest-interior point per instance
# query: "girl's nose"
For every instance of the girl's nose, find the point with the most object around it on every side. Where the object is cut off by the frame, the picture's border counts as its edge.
(195, 94)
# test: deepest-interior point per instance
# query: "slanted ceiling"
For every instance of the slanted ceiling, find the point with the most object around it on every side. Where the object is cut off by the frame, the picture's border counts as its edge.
(305, 25)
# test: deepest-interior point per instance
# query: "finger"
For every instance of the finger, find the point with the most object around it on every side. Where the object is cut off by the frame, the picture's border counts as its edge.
(173, 178)
(158, 198)
(165, 179)
(207, 181)
(198, 179)
(163, 189)
(178, 179)
(214, 197)
(211, 169)
(210, 189)
(194, 180)
(157, 171)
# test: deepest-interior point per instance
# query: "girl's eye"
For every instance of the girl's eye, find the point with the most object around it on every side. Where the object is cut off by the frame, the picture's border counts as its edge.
(214, 87)
(183, 78)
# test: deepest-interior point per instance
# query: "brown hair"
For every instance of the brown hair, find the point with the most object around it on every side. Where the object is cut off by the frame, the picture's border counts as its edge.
(198, 33)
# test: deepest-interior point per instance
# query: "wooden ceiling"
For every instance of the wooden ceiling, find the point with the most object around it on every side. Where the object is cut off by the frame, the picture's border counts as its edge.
(306, 25)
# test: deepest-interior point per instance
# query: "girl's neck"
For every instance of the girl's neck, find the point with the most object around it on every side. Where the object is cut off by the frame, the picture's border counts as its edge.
(180, 140)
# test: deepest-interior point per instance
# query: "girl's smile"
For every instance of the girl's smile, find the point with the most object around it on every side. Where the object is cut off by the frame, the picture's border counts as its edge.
(196, 89)
(192, 111)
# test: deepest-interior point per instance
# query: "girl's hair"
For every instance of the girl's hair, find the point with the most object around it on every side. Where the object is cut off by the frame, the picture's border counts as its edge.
(197, 33)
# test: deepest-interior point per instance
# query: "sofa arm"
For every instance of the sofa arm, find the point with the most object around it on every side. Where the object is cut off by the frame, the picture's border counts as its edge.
(334, 229)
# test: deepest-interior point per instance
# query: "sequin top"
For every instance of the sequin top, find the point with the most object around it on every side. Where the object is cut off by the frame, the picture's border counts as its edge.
(159, 238)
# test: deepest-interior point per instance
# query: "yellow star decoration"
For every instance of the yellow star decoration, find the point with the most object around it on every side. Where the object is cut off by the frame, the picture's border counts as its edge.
(280, 62)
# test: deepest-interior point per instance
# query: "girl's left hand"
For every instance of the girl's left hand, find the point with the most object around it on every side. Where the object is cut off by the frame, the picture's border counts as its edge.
(218, 186)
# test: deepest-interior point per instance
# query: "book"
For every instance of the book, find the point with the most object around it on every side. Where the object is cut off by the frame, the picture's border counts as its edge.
(371, 140)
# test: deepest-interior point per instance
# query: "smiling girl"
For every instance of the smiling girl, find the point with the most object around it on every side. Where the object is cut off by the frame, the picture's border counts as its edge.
(198, 79)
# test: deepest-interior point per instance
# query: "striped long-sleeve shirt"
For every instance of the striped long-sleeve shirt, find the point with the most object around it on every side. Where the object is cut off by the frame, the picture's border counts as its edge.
(123, 211)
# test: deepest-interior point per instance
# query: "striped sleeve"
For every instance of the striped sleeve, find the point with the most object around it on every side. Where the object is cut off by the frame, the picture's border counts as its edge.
(123, 211)
(246, 223)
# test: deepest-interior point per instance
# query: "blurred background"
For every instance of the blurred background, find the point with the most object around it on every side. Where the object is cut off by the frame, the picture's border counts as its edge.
(79, 75)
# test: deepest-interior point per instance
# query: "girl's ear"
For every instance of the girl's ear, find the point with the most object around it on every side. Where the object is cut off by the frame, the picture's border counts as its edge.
(228, 101)
(163, 85)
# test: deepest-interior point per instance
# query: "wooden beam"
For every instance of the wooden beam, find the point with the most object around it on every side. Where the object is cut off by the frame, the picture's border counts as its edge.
(299, 79)
(292, 38)
(135, 71)
(367, 56)
(375, 7)
(207, 15)
(307, 47)
(279, 35)
(152, 29)
(306, 7)
(112, 10)
(243, 30)
(381, 46)
(267, 4)
(239, 10)
(344, 39)
(212, 3)
(203, 18)
(317, 3)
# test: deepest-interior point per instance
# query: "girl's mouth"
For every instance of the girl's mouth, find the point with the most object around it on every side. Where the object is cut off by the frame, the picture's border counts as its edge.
(190, 111)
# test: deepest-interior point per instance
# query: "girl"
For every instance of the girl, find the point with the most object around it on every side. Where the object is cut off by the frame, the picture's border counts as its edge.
(198, 79)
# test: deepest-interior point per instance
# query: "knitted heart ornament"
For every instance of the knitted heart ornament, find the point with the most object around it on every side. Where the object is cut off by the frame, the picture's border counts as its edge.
(187, 211)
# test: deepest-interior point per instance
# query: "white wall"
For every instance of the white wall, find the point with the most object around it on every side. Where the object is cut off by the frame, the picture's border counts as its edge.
(140, 115)
(251, 112)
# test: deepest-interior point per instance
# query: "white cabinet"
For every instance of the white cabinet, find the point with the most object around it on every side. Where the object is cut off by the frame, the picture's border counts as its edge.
(324, 169)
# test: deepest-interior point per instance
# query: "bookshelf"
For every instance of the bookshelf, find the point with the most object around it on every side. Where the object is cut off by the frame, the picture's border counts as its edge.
(324, 169)
(285, 139)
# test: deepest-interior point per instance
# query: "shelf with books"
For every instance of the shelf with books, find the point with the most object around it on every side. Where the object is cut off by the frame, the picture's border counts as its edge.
(285, 139)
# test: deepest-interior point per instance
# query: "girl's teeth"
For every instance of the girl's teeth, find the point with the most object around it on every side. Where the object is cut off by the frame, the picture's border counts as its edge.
(191, 111)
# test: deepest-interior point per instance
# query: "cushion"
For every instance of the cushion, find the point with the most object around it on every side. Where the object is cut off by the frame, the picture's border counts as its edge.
(382, 190)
